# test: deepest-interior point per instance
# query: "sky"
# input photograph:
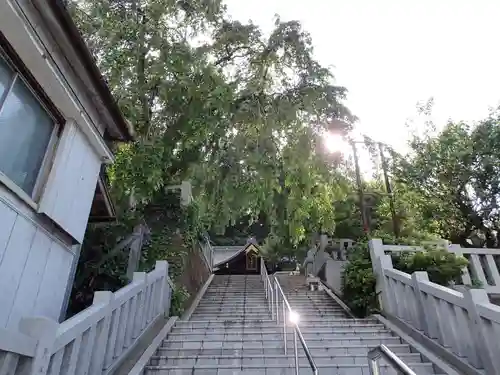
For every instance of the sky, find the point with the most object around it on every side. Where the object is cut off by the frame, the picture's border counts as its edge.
(392, 54)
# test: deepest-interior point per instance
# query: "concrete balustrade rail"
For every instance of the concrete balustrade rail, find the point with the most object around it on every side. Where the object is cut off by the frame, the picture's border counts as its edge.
(464, 322)
(96, 340)
(483, 266)
(484, 263)
(16, 351)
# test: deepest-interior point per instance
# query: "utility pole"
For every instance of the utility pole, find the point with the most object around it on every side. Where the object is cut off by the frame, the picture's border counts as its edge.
(395, 224)
(364, 220)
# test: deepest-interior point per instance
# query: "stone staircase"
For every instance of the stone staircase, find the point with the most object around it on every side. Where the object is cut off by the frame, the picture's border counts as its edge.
(340, 344)
(230, 332)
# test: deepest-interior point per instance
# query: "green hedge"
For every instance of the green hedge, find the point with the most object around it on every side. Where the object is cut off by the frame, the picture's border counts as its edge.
(358, 280)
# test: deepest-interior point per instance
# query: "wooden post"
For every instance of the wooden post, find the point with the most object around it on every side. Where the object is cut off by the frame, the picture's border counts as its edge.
(45, 331)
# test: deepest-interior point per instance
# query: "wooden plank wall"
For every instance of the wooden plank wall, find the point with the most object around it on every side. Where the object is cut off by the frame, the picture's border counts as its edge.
(68, 195)
(34, 269)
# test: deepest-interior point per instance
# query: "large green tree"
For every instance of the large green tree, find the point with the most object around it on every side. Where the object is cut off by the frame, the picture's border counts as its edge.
(216, 101)
(457, 173)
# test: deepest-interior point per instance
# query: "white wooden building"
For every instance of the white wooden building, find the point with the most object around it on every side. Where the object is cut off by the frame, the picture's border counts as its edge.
(57, 118)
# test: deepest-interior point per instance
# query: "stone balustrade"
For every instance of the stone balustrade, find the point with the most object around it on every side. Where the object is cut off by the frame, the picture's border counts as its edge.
(17, 351)
(483, 267)
(464, 322)
(484, 263)
(94, 341)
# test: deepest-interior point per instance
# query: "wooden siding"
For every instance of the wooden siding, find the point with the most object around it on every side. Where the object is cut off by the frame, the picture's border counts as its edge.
(34, 269)
(68, 195)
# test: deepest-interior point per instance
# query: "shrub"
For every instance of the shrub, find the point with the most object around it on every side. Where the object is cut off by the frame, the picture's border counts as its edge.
(179, 297)
(442, 266)
(358, 280)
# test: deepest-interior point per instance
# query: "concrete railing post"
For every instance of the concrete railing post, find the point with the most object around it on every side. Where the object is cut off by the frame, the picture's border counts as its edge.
(472, 297)
(417, 278)
(477, 269)
(457, 250)
(45, 331)
(163, 295)
(385, 295)
(105, 298)
(376, 251)
(140, 278)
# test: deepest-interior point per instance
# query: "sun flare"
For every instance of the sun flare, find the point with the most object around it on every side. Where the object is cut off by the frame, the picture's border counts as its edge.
(335, 143)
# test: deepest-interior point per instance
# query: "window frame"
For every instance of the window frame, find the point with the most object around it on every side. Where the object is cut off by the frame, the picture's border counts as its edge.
(20, 72)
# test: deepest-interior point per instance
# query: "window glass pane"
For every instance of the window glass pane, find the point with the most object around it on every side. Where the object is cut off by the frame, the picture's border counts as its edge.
(6, 75)
(25, 130)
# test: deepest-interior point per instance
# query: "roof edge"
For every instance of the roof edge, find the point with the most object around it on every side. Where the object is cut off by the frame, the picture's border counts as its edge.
(243, 249)
(125, 129)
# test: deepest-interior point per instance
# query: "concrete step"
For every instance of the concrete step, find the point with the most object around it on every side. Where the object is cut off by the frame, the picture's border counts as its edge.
(318, 308)
(315, 305)
(217, 298)
(239, 299)
(275, 359)
(275, 342)
(243, 293)
(229, 307)
(223, 316)
(321, 313)
(312, 303)
(261, 336)
(234, 288)
(319, 330)
(232, 310)
(251, 289)
(316, 350)
(232, 302)
(279, 369)
(223, 298)
(268, 323)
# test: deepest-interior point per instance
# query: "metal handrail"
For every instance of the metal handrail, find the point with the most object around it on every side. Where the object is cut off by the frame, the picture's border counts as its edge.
(296, 330)
(268, 288)
(383, 351)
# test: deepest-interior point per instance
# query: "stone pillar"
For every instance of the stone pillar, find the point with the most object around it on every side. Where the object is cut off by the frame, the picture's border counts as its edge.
(379, 260)
(105, 298)
(164, 294)
(44, 330)
(457, 250)
(376, 251)
(472, 298)
(417, 278)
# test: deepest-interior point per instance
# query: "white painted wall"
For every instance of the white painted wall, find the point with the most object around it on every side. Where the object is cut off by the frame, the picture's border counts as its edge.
(34, 267)
(23, 27)
(37, 241)
(70, 189)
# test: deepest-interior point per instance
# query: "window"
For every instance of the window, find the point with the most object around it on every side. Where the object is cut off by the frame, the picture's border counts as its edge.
(26, 131)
